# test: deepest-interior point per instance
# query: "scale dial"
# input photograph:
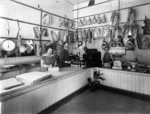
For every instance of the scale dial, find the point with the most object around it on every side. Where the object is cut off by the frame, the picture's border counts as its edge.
(8, 45)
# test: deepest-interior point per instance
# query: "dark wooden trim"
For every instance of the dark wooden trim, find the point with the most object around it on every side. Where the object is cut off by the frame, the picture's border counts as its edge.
(58, 104)
(14, 38)
(132, 94)
(19, 21)
(41, 27)
(93, 5)
(55, 28)
(38, 9)
(114, 10)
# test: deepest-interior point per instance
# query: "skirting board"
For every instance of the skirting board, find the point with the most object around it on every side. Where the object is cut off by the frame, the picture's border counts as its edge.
(127, 93)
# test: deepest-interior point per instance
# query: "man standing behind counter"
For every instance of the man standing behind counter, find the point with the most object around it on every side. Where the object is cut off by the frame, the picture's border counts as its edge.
(63, 56)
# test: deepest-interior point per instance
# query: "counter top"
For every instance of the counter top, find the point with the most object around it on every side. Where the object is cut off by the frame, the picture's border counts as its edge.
(56, 76)
(4, 69)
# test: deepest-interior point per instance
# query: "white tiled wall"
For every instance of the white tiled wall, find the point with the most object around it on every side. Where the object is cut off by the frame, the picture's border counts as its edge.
(131, 81)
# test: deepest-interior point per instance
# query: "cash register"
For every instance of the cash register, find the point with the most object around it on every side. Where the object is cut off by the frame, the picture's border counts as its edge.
(117, 54)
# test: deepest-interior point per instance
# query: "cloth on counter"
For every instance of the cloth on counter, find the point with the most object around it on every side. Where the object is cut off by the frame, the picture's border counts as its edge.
(33, 77)
(9, 83)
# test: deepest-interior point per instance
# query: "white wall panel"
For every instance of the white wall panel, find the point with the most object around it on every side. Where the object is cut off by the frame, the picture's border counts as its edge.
(130, 3)
(62, 8)
(17, 11)
(131, 81)
(108, 6)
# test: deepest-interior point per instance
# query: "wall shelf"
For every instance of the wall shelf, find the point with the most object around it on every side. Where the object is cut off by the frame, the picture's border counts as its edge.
(6, 18)
(91, 26)
(14, 38)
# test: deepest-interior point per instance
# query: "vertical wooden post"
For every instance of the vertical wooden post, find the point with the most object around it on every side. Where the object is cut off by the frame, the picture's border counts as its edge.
(41, 29)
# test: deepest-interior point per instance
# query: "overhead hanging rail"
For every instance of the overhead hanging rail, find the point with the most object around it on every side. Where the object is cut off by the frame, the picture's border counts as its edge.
(19, 21)
(14, 38)
(114, 10)
(40, 10)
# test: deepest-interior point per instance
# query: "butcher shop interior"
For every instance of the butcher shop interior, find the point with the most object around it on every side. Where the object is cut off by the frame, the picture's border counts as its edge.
(74, 56)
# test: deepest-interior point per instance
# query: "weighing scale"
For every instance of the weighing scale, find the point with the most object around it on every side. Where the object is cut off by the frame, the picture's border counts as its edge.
(117, 54)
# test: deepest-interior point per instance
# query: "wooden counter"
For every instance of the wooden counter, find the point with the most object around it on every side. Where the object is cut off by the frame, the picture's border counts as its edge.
(31, 99)
(131, 81)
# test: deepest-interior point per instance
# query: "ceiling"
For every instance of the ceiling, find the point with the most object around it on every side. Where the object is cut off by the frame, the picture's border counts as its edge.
(74, 2)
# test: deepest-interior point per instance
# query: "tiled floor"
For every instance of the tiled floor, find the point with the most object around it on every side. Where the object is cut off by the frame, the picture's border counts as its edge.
(102, 102)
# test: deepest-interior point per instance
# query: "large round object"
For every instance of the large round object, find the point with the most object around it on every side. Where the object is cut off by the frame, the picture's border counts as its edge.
(8, 45)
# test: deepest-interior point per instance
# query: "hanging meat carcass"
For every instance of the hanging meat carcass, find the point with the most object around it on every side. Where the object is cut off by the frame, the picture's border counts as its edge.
(130, 31)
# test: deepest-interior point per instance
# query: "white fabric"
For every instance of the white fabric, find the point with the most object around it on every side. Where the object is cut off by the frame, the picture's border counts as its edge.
(9, 83)
(33, 77)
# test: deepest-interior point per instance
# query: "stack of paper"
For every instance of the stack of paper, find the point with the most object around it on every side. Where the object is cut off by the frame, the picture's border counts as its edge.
(33, 77)
(9, 83)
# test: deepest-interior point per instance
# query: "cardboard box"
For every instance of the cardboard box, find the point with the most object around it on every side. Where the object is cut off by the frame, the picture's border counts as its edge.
(53, 69)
